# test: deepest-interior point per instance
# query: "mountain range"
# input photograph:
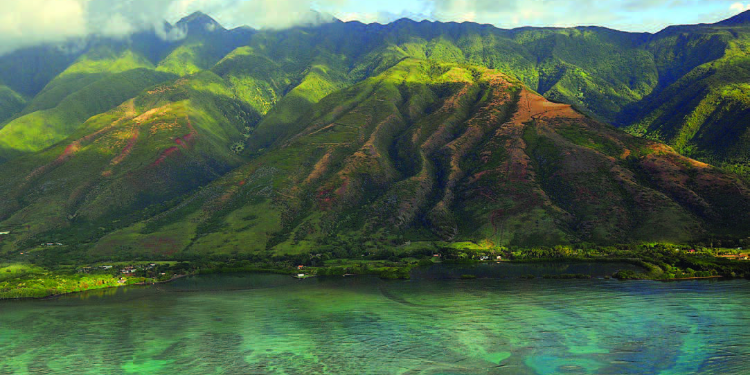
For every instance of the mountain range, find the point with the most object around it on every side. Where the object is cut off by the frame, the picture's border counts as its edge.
(362, 137)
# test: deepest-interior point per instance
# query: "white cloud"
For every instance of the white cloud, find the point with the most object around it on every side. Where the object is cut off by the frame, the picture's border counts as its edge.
(513, 13)
(276, 14)
(117, 26)
(379, 17)
(29, 22)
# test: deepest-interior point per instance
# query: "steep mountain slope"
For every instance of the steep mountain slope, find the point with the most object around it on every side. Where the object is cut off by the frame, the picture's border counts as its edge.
(355, 136)
(44, 127)
(422, 151)
(205, 44)
(704, 111)
(28, 70)
(683, 85)
(10, 103)
(167, 141)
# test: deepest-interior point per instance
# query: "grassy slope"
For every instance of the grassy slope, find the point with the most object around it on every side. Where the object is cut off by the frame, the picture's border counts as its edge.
(683, 85)
(607, 74)
(428, 151)
(405, 131)
(704, 113)
(10, 103)
(95, 84)
(168, 141)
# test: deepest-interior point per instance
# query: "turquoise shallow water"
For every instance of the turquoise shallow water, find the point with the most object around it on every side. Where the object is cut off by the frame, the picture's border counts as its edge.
(257, 324)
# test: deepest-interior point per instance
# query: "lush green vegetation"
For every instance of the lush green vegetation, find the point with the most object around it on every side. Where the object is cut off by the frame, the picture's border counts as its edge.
(660, 261)
(26, 281)
(683, 85)
(40, 129)
(10, 103)
(412, 154)
(367, 138)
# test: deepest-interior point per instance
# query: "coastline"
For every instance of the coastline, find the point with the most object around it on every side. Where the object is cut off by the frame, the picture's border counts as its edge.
(652, 262)
(57, 295)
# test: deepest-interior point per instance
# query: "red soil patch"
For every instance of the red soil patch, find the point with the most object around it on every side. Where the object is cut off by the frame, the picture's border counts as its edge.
(145, 116)
(533, 106)
(126, 150)
(164, 155)
(342, 189)
(75, 146)
(68, 153)
(187, 139)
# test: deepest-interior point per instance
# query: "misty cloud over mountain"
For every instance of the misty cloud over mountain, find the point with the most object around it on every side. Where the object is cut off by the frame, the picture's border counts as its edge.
(33, 22)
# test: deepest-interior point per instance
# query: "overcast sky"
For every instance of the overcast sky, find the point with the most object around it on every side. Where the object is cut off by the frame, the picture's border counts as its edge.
(30, 22)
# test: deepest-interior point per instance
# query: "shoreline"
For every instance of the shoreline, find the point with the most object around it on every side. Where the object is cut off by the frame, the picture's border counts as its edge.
(400, 270)
(58, 295)
(692, 278)
(175, 277)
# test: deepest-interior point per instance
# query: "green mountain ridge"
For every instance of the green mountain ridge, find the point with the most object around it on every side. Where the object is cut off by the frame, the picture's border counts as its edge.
(617, 77)
(420, 152)
(346, 135)
(11, 102)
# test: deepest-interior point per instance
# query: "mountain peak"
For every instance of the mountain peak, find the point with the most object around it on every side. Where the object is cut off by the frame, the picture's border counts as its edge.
(199, 22)
(739, 19)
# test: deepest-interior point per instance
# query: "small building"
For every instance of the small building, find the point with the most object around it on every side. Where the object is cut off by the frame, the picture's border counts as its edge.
(499, 257)
(437, 255)
(106, 267)
(300, 267)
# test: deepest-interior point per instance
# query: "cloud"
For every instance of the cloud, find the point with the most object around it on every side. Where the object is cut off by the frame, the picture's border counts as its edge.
(380, 17)
(273, 14)
(514, 13)
(117, 26)
(628, 15)
(30, 22)
(26, 23)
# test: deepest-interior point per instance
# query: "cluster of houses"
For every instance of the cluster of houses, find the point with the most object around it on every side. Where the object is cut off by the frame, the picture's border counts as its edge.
(132, 269)
(128, 270)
